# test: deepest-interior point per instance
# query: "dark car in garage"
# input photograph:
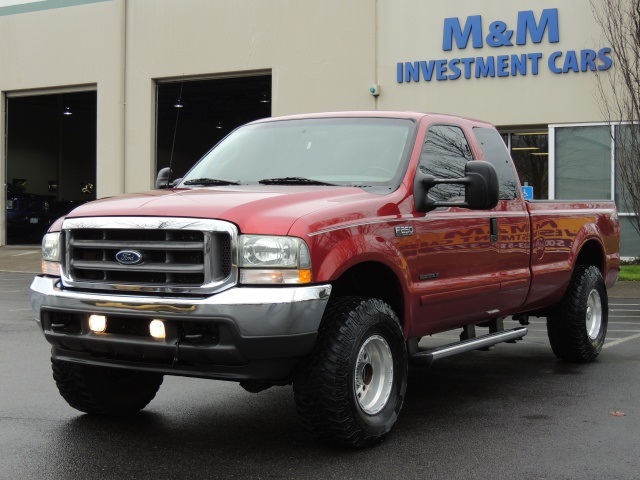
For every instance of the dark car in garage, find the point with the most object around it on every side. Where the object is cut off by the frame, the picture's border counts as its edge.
(28, 216)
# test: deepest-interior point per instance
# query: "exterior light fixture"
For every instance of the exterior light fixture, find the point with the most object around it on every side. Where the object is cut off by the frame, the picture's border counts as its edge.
(98, 323)
(67, 111)
(178, 104)
(219, 125)
(265, 98)
(156, 329)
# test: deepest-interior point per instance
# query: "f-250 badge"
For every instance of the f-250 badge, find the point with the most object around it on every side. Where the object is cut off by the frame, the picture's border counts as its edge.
(404, 231)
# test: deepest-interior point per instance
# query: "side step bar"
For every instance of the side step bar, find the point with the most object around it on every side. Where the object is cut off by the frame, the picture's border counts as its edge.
(428, 356)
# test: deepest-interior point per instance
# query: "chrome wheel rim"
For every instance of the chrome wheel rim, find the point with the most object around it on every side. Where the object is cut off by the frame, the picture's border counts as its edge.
(373, 379)
(594, 314)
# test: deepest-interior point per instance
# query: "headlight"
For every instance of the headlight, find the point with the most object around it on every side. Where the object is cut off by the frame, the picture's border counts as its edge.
(51, 254)
(270, 259)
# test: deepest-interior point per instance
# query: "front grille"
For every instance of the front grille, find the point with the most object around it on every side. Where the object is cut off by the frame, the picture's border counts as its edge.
(167, 256)
(156, 255)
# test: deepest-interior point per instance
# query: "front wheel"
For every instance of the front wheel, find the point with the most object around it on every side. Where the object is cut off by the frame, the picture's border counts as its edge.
(104, 390)
(351, 388)
(577, 327)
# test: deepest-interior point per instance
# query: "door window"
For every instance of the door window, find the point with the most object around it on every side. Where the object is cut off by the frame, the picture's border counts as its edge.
(444, 155)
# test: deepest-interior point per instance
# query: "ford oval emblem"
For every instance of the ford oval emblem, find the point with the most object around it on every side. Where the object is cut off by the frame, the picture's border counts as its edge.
(129, 257)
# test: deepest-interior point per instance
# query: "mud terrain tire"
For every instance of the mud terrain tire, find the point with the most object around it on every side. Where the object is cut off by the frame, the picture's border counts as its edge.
(577, 327)
(351, 388)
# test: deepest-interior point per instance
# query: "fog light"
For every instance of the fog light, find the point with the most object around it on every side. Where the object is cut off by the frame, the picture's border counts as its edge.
(156, 329)
(98, 323)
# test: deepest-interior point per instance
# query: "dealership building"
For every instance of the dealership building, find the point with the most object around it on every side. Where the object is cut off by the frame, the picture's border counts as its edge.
(98, 95)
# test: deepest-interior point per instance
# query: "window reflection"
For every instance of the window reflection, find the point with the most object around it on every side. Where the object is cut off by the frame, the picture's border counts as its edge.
(626, 168)
(583, 162)
(495, 153)
(444, 155)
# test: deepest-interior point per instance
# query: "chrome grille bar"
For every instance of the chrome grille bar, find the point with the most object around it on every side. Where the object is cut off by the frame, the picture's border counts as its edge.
(172, 255)
(149, 267)
(113, 244)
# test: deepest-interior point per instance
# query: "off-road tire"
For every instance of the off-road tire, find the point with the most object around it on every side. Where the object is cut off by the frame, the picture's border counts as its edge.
(338, 404)
(577, 327)
(103, 390)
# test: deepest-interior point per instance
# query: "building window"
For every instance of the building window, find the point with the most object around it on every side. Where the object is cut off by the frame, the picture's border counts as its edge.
(623, 147)
(193, 115)
(530, 152)
(585, 159)
(629, 241)
(583, 163)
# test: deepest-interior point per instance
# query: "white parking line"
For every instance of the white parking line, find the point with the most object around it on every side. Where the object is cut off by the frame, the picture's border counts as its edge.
(20, 310)
(619, 341)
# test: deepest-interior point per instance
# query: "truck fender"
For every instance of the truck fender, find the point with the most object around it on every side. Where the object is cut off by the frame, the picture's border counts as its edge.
(587, 234)
(355, 250)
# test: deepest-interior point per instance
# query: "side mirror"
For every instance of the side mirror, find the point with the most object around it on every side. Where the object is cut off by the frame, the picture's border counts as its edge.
(163, 178)
(481, 188)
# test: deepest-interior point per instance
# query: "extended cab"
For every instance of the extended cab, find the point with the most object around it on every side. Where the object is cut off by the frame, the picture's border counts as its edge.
(318, 250)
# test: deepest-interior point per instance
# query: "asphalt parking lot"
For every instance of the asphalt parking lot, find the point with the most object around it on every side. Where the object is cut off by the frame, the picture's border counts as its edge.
(512, 412)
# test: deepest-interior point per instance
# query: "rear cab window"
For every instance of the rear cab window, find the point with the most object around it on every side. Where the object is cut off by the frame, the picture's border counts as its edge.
(495, 152)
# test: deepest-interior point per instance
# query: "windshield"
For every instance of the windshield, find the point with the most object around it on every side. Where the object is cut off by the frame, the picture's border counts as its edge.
(364, 152)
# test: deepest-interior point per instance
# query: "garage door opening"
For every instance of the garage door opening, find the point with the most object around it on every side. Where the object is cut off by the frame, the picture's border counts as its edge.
(51, 160)
(194, 115)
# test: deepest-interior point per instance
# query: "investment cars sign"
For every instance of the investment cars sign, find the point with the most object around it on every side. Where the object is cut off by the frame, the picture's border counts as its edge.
(529, 29)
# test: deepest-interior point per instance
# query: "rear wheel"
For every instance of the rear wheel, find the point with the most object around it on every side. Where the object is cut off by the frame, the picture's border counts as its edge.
(577, 327)
(351, 388)
(103, 390)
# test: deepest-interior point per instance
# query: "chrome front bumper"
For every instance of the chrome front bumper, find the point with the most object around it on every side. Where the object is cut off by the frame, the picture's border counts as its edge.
(254, 325)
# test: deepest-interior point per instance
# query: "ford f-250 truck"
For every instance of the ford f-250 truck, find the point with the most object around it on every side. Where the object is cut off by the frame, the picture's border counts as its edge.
(318, 250)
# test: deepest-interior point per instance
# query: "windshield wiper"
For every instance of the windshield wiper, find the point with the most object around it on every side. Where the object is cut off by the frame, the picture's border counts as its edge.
(293, 181)
(210, 181)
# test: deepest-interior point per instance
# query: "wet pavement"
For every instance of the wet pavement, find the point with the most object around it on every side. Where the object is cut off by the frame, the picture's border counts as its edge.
(512, 412)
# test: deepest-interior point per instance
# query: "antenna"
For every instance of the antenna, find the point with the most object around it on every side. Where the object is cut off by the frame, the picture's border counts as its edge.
(178, 107)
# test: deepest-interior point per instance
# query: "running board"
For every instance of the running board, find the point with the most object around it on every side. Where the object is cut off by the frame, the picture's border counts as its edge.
(428, 356)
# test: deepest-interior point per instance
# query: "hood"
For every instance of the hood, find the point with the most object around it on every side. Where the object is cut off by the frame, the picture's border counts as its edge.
(254, 209)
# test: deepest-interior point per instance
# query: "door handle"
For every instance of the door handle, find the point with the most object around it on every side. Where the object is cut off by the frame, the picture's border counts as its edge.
(493, 222)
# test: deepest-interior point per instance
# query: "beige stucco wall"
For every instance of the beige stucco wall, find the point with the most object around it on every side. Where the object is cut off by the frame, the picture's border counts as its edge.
(412, 30)
(322, 56)
(69, 49)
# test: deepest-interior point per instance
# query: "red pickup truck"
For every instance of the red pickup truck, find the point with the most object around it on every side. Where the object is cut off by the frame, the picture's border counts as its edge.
(317, 250)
